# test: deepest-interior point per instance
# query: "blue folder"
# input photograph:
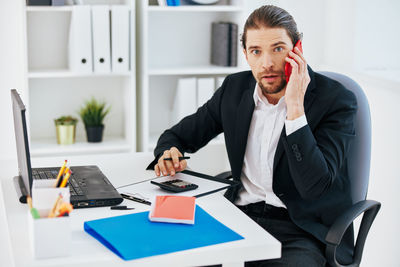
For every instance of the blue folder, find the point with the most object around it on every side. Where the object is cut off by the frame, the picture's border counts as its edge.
(134, 236)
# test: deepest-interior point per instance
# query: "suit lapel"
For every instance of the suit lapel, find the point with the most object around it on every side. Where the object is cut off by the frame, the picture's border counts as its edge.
(308, 99)
(242, 125)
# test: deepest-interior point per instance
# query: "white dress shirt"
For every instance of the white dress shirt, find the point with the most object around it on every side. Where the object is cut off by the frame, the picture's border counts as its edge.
(264, 133)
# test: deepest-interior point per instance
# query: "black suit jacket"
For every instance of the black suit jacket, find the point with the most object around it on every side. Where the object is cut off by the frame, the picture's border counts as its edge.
(310, 167)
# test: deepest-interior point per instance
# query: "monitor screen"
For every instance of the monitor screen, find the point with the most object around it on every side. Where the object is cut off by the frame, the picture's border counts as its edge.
(21, 138)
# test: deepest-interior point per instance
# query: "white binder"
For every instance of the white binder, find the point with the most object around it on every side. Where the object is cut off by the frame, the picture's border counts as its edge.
(120, 32)
(101, 39)
(205, 90)
(80, 40)
(185, 99)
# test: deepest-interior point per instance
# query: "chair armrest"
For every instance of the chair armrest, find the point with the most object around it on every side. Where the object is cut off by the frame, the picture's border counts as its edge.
(334, 236)
(224, 175)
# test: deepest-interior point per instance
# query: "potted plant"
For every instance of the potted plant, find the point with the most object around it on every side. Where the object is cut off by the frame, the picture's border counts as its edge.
(66, 129)
(92, 115)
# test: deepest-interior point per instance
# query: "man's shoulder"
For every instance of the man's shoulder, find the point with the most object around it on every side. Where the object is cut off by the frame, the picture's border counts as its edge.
(330, 87)
(243, 76)
(240, 81)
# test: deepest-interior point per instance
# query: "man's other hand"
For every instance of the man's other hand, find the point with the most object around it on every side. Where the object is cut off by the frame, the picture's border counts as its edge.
(168, 167)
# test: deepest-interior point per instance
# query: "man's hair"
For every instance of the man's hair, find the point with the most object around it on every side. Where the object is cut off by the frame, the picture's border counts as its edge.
(271, 17)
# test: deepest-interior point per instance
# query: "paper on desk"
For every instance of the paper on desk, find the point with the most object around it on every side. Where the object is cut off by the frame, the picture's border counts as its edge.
(148, 191)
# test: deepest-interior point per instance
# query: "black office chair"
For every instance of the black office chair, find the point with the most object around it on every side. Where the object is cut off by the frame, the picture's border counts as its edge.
(359, 158)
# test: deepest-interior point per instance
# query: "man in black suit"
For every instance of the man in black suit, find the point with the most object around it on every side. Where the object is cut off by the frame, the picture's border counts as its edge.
(286, 141)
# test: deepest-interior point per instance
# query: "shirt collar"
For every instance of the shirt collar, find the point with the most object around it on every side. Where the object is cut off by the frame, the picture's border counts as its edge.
(258, 97)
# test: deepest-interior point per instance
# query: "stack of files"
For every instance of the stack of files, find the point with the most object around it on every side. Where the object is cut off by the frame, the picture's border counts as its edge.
(120, 32)
(185, 102)
(173, 209)
(224, 44)
(134, 236)
(80, 40)
(205, 90)
(101, 39)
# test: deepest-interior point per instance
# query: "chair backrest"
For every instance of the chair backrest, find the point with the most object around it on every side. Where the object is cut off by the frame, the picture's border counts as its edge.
(359, 156)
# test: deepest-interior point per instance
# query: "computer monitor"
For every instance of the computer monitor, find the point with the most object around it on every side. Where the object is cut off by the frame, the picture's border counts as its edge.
(24, 181)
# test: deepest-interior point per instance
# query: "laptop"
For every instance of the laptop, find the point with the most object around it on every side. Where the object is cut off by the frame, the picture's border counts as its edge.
(88, 186)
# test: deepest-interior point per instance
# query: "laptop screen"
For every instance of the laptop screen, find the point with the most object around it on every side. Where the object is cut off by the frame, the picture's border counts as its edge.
(21, 138)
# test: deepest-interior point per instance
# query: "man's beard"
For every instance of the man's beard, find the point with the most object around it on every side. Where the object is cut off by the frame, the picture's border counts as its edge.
(272, 89)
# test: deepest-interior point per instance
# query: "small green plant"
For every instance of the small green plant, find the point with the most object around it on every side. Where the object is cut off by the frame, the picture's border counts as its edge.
(66, 120)
(93, 113)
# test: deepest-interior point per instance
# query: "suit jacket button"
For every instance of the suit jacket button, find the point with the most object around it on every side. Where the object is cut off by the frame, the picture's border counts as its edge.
(294, 147)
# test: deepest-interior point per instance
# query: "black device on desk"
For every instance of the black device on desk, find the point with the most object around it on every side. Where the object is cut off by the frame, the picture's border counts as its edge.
(88, 186)
(176, 185)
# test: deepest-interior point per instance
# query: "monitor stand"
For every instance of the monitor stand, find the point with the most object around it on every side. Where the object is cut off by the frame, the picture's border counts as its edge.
(20, 189)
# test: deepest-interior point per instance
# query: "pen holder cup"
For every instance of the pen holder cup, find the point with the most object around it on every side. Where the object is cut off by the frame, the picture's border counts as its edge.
(50, 237)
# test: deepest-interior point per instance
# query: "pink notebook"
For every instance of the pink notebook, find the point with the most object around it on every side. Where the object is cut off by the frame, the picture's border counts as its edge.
(173, 209)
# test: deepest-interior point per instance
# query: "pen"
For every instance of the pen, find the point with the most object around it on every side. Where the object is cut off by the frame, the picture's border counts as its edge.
(60, 173)
(180, 158)
(121, 208)
(136, 199)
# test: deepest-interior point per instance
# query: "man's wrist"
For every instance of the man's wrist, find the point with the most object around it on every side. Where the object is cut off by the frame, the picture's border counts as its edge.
(294, 112)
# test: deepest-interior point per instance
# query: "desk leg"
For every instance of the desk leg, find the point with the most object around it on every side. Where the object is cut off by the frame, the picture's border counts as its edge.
(233, 264)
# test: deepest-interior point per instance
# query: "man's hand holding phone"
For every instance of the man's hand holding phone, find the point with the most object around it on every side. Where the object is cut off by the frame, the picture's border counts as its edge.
(297, 84)
(170, 167)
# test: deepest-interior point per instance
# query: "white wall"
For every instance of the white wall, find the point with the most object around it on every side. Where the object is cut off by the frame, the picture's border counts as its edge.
(382, 246)
(362, 34)
(11, 69)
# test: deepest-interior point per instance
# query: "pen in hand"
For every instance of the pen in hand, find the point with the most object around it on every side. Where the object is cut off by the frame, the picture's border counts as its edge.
(180, 158)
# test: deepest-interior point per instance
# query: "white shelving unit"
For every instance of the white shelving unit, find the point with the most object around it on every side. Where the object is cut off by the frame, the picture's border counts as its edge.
(175, 42)
(53, 90)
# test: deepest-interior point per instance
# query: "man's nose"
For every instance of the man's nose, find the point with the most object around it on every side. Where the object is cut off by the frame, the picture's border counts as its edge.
(267, 61)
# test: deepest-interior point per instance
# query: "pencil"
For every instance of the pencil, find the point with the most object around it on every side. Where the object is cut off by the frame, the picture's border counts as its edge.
(65, 180)
(35, 214)
(62, 177)
(53, 210)
(180, 158)
(29, 200)
(60, 173)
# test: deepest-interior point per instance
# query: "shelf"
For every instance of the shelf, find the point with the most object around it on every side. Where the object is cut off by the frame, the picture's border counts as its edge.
(206, 70)
(189, 8)
(49, 8)
(68, 74)
(47, 147)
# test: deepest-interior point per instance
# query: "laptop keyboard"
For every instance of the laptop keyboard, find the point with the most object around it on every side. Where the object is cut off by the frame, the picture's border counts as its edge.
(75, 184)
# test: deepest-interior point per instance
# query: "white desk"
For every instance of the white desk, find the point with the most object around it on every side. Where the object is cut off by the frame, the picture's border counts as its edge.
(86, 251)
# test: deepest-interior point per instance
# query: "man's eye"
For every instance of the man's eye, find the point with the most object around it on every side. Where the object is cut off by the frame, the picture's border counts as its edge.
(255, 52)
(278, 49)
